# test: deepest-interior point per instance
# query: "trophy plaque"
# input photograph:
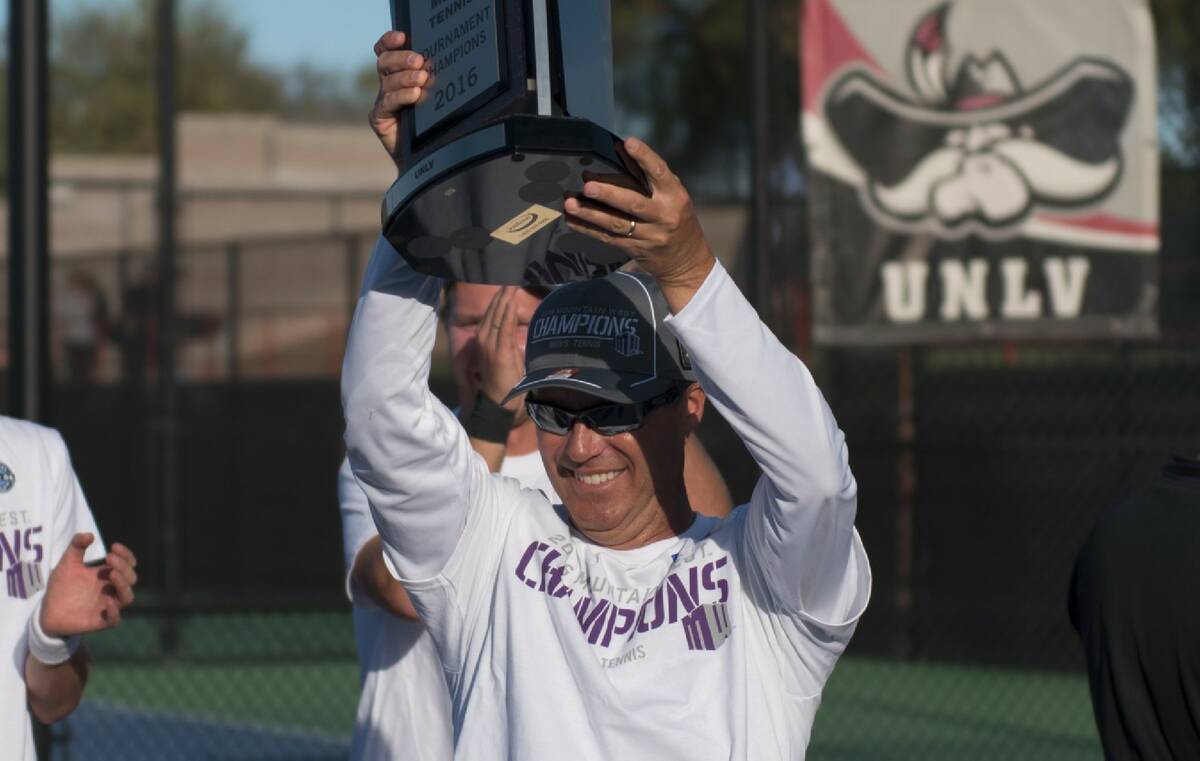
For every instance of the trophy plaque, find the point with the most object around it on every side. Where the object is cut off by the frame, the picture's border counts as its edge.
(520, 105)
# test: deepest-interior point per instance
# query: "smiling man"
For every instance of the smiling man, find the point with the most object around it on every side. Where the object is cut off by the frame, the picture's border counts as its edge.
(620, 624)
(599, 367)
(404, 708)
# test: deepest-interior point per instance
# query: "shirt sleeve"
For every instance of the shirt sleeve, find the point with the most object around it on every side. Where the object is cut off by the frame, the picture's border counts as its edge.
(406, 449)
(70, 509)
(799, 535)
(357, 526)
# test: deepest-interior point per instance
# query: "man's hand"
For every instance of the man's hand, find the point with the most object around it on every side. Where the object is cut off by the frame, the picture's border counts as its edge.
(666, 240)
(501, 360)
(402, 79)
(80, 599)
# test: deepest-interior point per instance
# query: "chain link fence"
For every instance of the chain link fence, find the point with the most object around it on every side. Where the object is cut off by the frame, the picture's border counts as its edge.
(240, 645)
(981, 468)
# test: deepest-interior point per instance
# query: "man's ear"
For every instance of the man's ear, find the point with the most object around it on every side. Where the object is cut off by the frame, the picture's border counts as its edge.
(694, 399)
(445, 305)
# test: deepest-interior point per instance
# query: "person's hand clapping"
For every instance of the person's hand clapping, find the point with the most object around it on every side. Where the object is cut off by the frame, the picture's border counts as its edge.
(84, 598)
(500, 357)
(403, 77)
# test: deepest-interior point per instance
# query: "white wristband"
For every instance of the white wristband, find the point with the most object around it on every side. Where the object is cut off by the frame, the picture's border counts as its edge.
(49, 650)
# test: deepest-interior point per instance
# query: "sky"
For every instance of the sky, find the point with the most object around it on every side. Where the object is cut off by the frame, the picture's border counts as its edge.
(329, 34)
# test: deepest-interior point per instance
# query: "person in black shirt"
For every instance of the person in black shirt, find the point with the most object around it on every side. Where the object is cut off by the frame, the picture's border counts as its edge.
(1135, 606)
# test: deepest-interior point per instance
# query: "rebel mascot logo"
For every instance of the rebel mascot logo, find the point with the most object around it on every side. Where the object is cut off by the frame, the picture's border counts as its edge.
(976, 151)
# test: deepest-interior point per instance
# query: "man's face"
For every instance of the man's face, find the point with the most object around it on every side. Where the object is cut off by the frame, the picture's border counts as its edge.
(467, 304)
(608, 482)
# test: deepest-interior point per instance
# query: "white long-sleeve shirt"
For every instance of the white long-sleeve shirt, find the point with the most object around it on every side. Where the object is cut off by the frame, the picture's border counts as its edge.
(41, 509)
(404, 706)
(714, 644)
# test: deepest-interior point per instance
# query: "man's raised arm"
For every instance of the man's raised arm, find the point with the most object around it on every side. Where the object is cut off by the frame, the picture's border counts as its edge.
(406, 449)
(800, 526)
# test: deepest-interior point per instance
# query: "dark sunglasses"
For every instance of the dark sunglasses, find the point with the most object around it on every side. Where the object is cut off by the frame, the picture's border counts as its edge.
(605, 419)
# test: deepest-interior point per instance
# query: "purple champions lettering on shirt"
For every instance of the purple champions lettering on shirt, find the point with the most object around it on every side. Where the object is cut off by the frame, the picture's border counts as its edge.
(14, 582)
(627, 618)
(719, 584)
(650, 616)
(707, 627)
(705, 622)
(550, 580)
(24, 580)
(523, 566)
(678, 596)
(10, 550)
(592, 622)
(32, 546)
(23, 576)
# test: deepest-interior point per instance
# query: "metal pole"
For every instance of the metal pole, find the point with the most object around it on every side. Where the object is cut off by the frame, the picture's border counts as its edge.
(907, 370)
(28, 247)
(757, 41)
(167, 427)
(233, 310)
(28, 242)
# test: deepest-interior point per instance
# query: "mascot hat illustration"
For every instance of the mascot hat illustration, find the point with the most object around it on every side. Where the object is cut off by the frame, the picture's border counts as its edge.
(975, 147)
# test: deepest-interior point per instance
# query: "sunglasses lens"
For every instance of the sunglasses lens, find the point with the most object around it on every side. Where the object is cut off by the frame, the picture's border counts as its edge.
(606, 419)
(549, 418)
(612, 419)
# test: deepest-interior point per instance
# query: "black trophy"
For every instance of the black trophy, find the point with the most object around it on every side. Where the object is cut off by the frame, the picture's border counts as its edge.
(520, 107)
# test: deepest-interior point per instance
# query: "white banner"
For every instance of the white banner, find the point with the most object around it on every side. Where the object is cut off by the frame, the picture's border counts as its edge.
(981, 168)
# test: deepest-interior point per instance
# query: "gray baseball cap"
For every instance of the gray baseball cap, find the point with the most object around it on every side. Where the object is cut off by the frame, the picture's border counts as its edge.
(604, 337)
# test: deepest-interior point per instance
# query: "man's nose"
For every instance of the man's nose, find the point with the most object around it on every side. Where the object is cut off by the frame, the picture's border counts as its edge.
(583, 443)
(470, 358)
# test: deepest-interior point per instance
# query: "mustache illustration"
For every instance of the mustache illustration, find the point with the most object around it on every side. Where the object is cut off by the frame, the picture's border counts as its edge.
(997, 180)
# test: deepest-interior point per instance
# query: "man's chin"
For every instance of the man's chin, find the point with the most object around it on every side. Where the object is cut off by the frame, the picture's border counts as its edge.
(595, 506)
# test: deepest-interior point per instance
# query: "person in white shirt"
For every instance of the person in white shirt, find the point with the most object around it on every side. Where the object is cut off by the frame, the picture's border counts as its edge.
(404, 707)
(59, 583)
(619, 624)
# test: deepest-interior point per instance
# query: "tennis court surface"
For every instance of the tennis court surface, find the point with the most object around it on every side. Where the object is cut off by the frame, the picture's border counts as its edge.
(284, 686)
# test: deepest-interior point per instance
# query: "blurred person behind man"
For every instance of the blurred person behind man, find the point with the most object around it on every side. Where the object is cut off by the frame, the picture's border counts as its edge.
(82, 316)
(404, 709)
(1132, 603)
(59, 583)
(136, 331)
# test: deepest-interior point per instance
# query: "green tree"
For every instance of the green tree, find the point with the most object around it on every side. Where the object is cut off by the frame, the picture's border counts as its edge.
(1177, 24)
(312, 94)
(103, 74)
(680, 79)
